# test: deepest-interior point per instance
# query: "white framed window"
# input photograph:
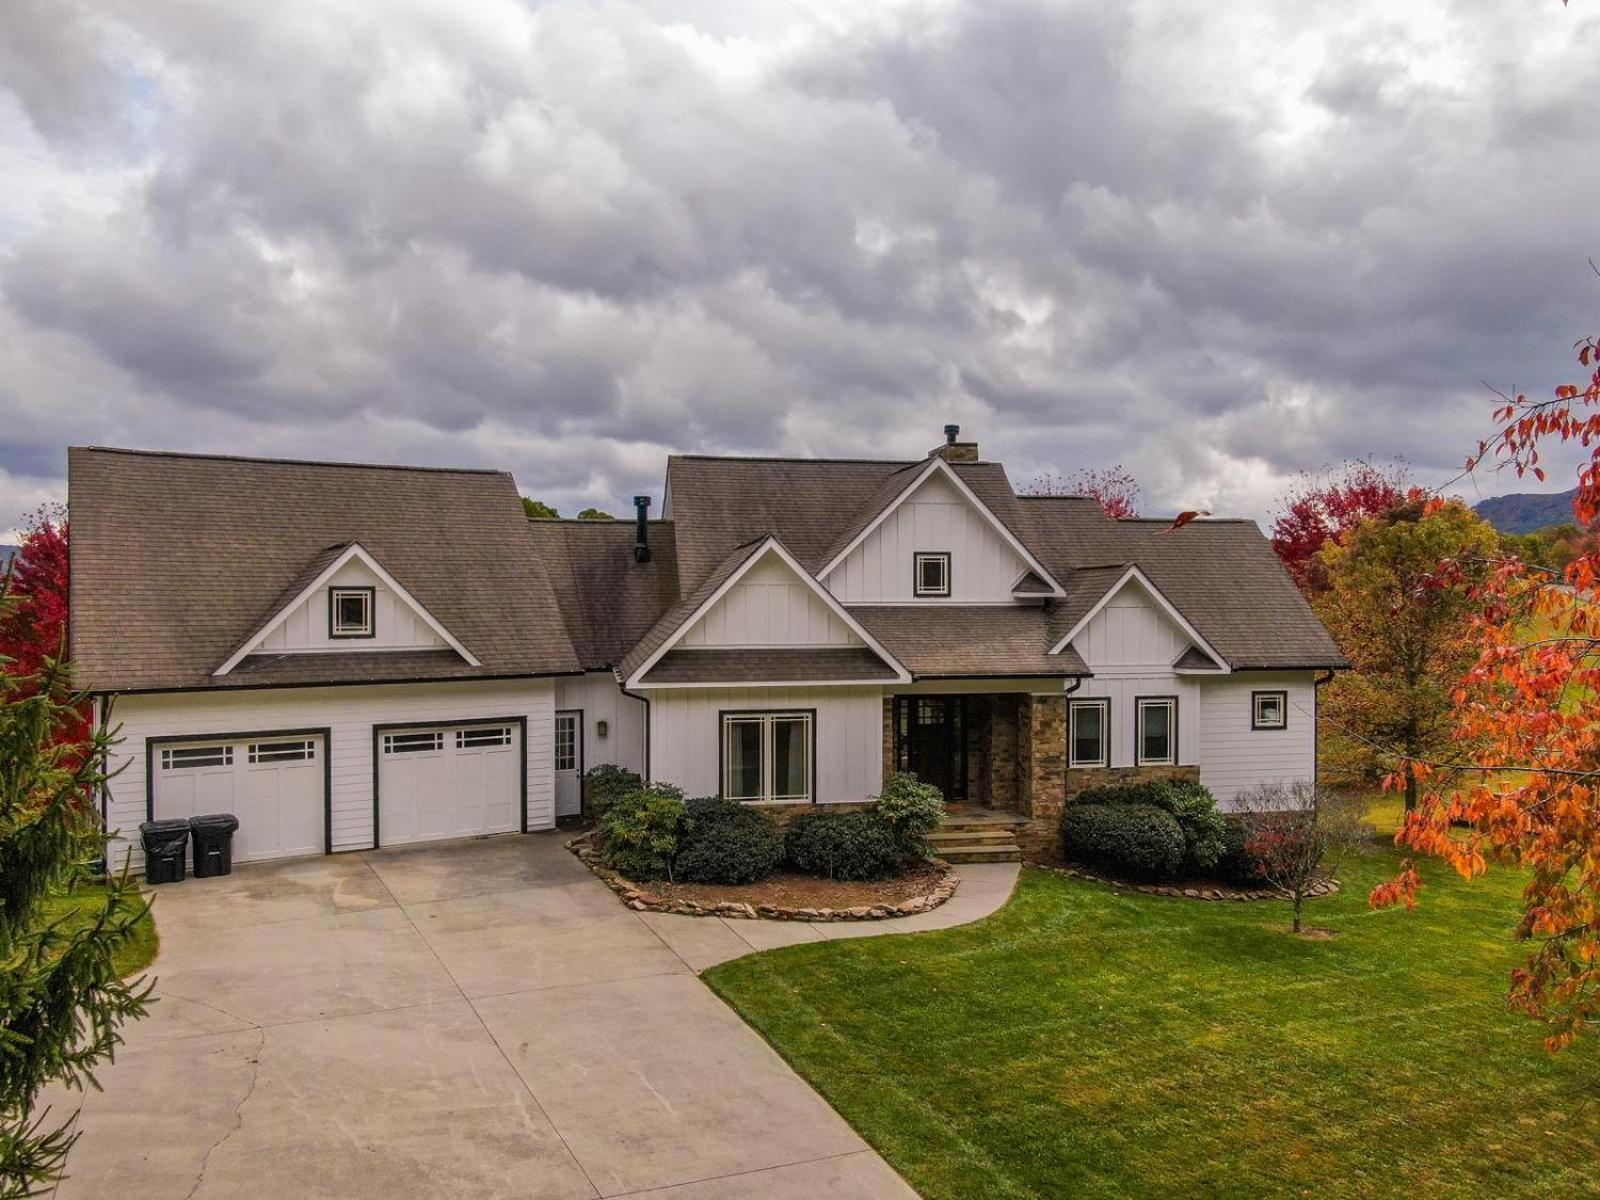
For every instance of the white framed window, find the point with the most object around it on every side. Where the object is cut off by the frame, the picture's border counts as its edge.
(299, 750)
(1089, 733)
(931, 573)
(181, 757)
(350, 612)
(767, 756)
(1156, 731)
(483, 737)
(1269, 710)
(566, 741)
(427, 742)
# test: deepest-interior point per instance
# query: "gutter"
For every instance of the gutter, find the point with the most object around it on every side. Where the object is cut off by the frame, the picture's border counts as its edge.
(1316, 727)
(644, 700)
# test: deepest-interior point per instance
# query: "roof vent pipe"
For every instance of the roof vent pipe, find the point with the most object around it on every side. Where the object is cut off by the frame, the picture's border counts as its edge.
(951, 433)
(641, 529)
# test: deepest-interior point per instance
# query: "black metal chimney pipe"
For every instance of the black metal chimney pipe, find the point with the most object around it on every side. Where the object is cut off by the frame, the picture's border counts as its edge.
(641, 529)
(951, 433)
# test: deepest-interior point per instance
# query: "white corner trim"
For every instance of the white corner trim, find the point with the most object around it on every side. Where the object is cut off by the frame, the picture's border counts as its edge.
(354, 551)
(1134, 575)
(937, 465)
(770, 545)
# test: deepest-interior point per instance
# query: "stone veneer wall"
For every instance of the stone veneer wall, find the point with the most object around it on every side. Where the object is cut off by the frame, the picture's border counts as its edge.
(888, 738)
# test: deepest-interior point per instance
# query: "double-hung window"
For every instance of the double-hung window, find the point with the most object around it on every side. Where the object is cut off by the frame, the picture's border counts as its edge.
(1089, 733)
(350, 612)
(931, 574)
(767, 756)
(1156, 731)
(1269, 710)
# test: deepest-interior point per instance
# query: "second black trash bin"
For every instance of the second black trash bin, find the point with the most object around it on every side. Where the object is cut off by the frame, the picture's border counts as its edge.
(164, 845)
(213, 844)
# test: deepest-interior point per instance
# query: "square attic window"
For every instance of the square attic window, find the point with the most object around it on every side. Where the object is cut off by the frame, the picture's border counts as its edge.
(932, 574)
(350, 612)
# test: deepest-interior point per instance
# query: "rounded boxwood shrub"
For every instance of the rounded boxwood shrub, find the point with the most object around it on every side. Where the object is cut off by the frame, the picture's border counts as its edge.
(913, 809)
(1187, 801)
(1130, 841)
(842, 844)
(723, 841)
(639, 833)
(603, 784)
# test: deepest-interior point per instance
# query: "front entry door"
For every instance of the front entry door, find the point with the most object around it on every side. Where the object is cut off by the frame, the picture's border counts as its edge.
(931, 741)
(569, 763)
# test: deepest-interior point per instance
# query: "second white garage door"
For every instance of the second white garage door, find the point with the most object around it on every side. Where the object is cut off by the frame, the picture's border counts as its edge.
(452, 781)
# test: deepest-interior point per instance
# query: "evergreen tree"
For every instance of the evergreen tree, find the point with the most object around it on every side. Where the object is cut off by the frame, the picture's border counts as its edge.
(61, 1001)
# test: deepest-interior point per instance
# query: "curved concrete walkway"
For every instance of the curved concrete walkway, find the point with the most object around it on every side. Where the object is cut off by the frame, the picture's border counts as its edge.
(478, 1018)
(703, 942)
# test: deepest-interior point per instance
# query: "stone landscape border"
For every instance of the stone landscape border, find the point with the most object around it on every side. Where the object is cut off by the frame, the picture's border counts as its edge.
(638, 896)
(1210, 891)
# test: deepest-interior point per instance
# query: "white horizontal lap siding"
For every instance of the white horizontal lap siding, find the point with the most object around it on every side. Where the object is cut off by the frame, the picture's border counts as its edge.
(600, 698)
(685, 736)
(938, 519)
(770, 606)
(1123, 689)
(350, 714)
(395, 626)
(1234, 757)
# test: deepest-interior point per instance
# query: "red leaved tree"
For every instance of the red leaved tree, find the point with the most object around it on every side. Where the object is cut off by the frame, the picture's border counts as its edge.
(1114, 489)
(1328, 505)
(35, 630)
(1523, 784)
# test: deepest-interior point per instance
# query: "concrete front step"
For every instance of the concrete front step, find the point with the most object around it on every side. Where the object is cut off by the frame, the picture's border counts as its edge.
(979, 853)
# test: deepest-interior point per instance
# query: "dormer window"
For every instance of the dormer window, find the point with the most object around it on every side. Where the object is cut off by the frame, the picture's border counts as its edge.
(350, 612)
(932, 574)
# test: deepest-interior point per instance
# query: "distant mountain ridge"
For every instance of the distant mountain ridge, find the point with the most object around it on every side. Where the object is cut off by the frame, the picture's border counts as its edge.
(1523, 512)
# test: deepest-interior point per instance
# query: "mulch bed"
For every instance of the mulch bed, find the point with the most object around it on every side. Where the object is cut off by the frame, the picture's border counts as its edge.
(807, 891)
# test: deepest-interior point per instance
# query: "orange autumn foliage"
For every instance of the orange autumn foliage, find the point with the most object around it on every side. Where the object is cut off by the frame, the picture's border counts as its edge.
(1524, 785)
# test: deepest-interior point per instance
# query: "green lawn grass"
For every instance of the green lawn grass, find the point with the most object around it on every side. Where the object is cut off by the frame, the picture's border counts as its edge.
(82, 906)
(1086, 1042)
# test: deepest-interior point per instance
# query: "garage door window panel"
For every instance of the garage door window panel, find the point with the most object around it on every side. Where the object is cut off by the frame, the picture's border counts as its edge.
(276, 752)
(180, 757)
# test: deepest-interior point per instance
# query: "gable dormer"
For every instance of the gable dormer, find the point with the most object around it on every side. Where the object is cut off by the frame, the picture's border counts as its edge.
(936, 542)
(346, 601)
(1134, 627)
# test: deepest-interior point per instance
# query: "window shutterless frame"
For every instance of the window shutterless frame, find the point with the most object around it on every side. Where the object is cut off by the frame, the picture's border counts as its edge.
(930, 573)
(1143, 705)
(765, 718)
(1074, 709)
(1262, 706)
(342, 630)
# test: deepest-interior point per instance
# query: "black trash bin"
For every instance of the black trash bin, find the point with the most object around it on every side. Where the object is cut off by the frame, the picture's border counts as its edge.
(213, 844)
(165, 843)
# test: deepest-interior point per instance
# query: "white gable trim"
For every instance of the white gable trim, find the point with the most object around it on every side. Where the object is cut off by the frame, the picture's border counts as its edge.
(937, 465)
(1134, 575)
(770, 546)
(355, 552)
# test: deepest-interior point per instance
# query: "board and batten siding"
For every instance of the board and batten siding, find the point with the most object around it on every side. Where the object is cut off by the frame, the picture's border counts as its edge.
(600, 698)
(350, 713)
(934, 518)
(770, 606)
(685, 736)
(1234, 757)
(395, 626)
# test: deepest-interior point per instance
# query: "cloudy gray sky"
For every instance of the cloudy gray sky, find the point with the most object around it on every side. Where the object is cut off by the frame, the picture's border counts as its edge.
(1216, 243)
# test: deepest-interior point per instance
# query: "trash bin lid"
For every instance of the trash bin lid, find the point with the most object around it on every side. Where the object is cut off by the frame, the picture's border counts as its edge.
(215, 822)
(172, 827)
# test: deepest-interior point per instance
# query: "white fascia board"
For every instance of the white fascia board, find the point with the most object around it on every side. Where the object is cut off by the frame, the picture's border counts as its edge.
(1134, 575)
(770, 546)
(354, 552)
(938, 465)
(766, 683)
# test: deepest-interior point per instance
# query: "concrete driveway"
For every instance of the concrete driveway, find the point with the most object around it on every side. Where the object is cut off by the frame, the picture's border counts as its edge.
(474, 1019)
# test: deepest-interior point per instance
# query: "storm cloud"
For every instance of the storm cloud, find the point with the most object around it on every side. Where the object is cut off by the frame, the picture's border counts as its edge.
(1217, 244)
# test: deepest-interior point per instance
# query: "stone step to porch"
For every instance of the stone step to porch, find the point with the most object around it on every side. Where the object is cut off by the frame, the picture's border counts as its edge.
(966, 835)
(979, 852)
(975, 835)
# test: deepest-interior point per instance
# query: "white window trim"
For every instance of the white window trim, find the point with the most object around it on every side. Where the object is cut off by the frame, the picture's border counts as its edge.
(1073, 708)
(767, 720)
(1256, 723)
(368, 597)
(942, 557)
(1140, 704)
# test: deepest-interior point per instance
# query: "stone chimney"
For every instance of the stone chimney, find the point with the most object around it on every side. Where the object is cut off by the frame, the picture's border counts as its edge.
(953, 450)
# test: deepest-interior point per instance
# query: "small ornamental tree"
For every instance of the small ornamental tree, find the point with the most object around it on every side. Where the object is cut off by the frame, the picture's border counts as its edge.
(33, 631)
(1114, 489)
(1324, 507)
(61, 1002)
(1299, 835)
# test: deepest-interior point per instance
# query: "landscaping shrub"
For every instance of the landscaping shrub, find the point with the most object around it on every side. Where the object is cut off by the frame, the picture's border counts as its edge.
(1237, 865)
(1131, 841)
(639, 833)
(842, 844)
(1188, 802)
(603, 784)
(913, 810)
(723, 841)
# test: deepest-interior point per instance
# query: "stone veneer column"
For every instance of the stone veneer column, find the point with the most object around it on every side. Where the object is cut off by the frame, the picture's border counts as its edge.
(1042, 772)
(888, 738)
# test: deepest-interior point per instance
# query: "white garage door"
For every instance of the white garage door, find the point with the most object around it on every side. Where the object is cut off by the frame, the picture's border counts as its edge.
(449, 782)
(273, 784)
